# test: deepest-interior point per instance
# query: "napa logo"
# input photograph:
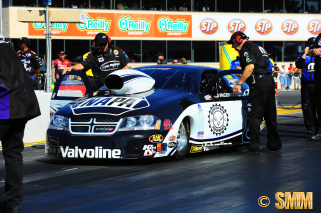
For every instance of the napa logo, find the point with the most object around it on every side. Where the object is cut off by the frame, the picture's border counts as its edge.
(165, 24)
(126, 23)
(101, 24)
(62, 27)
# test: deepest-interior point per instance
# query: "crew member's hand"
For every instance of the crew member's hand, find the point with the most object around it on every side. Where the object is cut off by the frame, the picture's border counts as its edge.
(66, 70)
(306, 50)
(54, 79)
(236, 89)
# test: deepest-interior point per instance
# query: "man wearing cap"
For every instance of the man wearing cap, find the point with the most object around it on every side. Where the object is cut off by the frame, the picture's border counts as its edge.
(59, 65)
(175, 61)
(18, 104)
(160, 58)
(308, 95)
(29, 60)
(261, 101)
(105, 59)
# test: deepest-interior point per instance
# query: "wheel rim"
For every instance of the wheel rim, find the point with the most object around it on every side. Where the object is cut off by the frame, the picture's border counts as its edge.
(181, 138)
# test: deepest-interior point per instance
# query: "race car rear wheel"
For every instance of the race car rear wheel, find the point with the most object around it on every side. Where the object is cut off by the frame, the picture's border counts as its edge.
(182, 140)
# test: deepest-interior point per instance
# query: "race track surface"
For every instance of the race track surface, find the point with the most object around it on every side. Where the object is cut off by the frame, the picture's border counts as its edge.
(216, 181)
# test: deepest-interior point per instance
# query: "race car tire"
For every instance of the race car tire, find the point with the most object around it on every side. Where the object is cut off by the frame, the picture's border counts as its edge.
(182, 140)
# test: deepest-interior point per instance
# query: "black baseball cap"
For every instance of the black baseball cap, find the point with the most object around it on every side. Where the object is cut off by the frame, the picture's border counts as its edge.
(62, 53)
(160, 54)
(24, 40)
(311, 40)
(233, 37)
(101, 38)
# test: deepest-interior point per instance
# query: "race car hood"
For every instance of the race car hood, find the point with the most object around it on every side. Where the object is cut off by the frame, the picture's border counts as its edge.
(151, 102)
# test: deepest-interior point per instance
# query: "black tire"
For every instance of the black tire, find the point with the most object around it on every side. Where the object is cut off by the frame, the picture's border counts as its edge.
(182, 140)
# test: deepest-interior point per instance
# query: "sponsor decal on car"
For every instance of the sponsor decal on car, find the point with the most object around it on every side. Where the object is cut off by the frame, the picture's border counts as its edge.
(217, 119)
(168, 124)
(222, 143)
(200, 110)
(99, 105)
(156, 138)
(98, 152)
(200, 134)
(197, 148)
(171, 144)
(172, 138)
(149, 150)
(161, 147)
(208, 97)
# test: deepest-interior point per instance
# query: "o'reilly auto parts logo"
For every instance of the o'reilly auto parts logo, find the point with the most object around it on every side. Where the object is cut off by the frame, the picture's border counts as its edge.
(126, 23)
(165, 24)
(101, 24)
(98, 152)
(62, 27)
(218, 119)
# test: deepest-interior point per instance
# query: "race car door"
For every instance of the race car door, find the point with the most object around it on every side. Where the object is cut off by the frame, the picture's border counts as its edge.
(69, 87)
(223, 115)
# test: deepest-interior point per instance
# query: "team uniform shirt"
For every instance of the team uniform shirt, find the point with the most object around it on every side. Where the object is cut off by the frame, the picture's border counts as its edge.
(317, 59)
(60, 65)
(30, 63)
(17, 97)
(307, 65)
(102, 64)
(256, 55)
(163, 61)
(234, 64)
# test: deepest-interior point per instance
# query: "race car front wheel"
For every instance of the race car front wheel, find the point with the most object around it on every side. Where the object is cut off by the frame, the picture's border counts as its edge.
(182, 140)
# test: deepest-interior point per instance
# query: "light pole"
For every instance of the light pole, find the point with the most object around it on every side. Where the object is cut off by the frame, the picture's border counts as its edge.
(48, 50)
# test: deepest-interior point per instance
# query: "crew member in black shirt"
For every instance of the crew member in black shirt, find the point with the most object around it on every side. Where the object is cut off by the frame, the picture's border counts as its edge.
(315, 51)
(160, 58)
(105, 59)
(261, 101)
(29, 60)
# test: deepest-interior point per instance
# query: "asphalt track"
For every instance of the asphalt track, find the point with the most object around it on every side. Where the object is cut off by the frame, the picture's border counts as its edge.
(216, 181)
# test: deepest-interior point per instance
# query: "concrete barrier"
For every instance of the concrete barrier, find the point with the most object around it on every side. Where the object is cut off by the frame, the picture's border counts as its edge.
(36, 128)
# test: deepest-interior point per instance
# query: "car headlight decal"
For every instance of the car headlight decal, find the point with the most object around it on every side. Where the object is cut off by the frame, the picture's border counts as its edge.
(58, 122)
(143, 122)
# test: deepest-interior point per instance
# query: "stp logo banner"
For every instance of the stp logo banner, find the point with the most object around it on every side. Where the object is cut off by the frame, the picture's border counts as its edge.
(236, 25)
(208, 26)
(263, 27)
(290, 27)
(314, 27)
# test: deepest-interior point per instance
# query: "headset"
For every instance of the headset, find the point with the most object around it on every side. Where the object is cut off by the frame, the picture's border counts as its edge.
(109, 41)
(239, 39)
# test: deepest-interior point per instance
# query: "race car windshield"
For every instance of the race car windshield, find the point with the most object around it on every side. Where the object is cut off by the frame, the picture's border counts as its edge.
(182, 79)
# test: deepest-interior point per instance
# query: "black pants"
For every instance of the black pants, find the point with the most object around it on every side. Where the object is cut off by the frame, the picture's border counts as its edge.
(317, 83)
(308, 101)
(11, 134)
(92, 82)
(261, 103)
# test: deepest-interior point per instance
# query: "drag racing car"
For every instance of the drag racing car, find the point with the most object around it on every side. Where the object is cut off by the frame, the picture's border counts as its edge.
(147, 112)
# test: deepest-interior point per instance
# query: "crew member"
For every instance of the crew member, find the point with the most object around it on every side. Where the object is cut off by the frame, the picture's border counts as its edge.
(315, 51)
(89, 73)
(18, 104)
(29, 60)
(105, 59)
(59, 65)
(308, 96)
(175, 61)
(235, 65)
(160, 58)
(261, 101)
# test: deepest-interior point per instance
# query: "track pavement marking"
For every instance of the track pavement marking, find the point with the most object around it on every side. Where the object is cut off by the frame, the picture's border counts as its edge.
(29, 144)
(288, 109)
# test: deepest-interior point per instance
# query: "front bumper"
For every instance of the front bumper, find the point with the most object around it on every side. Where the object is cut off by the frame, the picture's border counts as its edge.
(131, 144)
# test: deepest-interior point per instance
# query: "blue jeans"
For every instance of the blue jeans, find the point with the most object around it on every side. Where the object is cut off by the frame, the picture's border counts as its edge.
(289, 81)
